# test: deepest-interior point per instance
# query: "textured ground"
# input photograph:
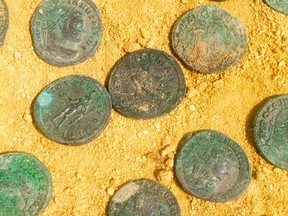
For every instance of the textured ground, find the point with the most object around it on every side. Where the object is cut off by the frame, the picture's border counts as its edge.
(85, 177)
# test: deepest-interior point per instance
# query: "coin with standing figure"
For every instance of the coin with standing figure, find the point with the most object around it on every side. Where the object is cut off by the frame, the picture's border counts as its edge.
(25, 185)
(211, 166)
(208, 39)
(72, 110)
(4, 21)
(143, 197)
(278, 5)
(66, 32)
(270, 130)
(146, 84)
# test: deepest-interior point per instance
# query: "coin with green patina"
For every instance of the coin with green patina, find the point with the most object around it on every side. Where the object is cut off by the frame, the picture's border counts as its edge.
(25, 185)
(4, 21)
(211, 166)
(142, 198)
(270, 130)
(278, 5)
(208, 39)
(66, 32)
(146, 84)
(72, 110)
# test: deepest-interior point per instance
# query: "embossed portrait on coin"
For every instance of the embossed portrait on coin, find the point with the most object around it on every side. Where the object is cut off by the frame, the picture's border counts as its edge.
(152, 205)
(214, 171)
(63, 35)
(279, 137)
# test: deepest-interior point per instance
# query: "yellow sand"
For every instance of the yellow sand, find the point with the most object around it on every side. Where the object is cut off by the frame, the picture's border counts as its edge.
(85, 177)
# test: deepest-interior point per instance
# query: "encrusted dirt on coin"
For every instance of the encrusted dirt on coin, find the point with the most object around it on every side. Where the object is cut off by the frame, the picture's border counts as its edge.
(132, 149)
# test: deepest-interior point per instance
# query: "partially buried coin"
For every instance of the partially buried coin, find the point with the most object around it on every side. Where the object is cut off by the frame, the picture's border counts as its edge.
(143, 197)
(25, 185)
(270, 130)
(66, 32)
(73, 110)
(146, 84)
(212, 167)
(208, 39)
(4, 21)
(278, 5)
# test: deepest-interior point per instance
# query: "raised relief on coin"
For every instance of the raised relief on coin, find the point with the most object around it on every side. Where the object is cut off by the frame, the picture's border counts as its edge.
(278, 5)
(208, 39)
(25, 185)
(146, 84)
(270, 130)
(213, 167)
(66, 32)
(4, 21)
(143, 197)
(73, 110)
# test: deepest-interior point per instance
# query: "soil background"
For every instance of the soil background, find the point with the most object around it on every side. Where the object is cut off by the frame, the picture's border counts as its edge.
(85, 177)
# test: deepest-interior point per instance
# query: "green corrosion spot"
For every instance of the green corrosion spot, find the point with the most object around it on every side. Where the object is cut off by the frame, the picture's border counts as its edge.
(45, 99)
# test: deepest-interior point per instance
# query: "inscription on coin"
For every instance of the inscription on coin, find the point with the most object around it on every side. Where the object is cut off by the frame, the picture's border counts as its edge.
(66, 32)
(25, 185)
(270, 130)
(209, 40)
(278, 5)
(213, 167)
(143, 197)
(73, 110)
(4, 21)
(146, 84)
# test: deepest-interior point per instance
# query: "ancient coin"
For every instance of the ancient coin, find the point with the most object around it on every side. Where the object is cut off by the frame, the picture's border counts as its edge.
(72, 110)
(146, 84)
(278, 5)
(142, 198)
(25, 185)
(4, 21)
(270, 130)
(211, 166)
(208, 39)
(66, 32)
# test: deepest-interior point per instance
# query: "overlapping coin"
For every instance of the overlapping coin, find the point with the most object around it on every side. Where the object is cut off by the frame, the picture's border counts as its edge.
(278, 5)
(4, 21)
(143, 197)
(25, 185)
(146, 84)
(213, 167)
(66, 32)
(270, 130)
(208, 39)
(73, 110)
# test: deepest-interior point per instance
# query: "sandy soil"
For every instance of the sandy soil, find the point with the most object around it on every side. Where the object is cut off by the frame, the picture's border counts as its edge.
(85, 177)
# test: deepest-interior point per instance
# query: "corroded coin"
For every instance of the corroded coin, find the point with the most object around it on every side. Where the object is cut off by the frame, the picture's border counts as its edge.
(66, 32)
(25, 185)
(270, 130)
(209, 40)
(146, 84)
(278, 5)
(213, 167)
(73, 110)
(142, 198)
(4, 21)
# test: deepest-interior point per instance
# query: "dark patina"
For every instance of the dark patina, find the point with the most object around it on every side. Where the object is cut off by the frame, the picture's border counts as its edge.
(146, 84)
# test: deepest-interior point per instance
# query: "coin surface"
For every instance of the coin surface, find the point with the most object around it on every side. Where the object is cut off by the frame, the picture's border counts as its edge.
(146, 84)
(142, 198)
(73, 110)
(4, 21)
(270, 130)
(278, 5)
(25, 185)
(211, 166)
(66, 32)
(208, 39)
